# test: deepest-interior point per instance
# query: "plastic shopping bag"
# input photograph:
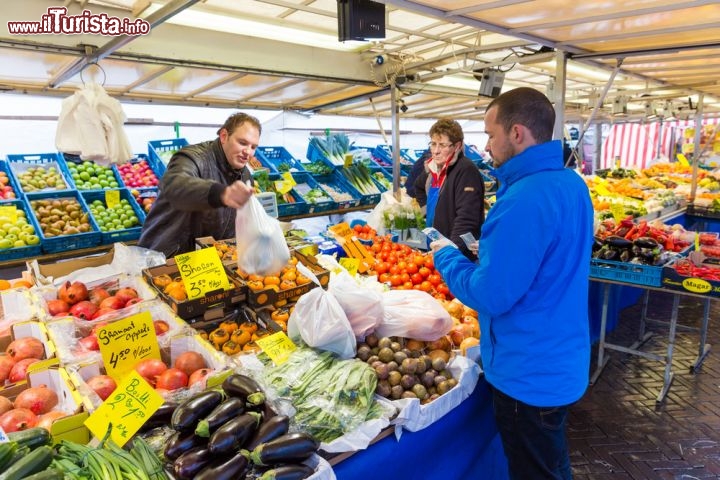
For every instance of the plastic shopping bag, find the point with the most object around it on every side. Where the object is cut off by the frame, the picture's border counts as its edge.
(320, 321)
(261, 247)
(413, 314)
(363, 307)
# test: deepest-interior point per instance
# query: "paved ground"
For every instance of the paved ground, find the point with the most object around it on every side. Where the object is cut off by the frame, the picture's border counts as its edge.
(617, 431)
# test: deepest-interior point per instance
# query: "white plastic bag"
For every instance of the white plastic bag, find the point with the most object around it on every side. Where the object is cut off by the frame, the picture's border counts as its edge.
(320, 321)
(261, 247)
(413, 314)
(363, 307)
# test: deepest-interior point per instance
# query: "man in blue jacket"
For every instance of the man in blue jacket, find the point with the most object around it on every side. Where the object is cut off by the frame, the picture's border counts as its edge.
(530, 285)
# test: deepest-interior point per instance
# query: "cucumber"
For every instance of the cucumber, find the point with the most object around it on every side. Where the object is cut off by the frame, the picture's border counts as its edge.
(7, 451)
(47, 474)
(34, 462)
(31, 437)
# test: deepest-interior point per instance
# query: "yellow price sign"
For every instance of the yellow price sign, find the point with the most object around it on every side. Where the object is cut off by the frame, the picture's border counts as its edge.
(350, 264)
(125, 342)
(286, 184)
(342, 231)
(618, 211)
(349, 158)
(9, 213)
(682, 160)
(130, 405)
(600, 189)
(202, 272)
(277, 346)
(112, 198)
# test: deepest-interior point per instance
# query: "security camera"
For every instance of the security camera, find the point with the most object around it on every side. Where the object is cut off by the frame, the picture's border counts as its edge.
(380, 59)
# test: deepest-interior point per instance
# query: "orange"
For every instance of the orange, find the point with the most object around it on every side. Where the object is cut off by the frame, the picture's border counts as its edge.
(4, 284)
(21, 283)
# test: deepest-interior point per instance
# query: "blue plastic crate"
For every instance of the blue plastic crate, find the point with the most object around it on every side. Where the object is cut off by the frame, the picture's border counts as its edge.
(28, 251)
(276, 157)
(305, 182)
(70, 160)
(135, 160)
(21, 163)
(382, 155)
(336, 181)
(4, 167)
(314, 154)
(626, 272)
(472, 152)
(369, 199)
(412, 154)
(298, 207)
(156, 149)
(66, 242)
(377, 170)
(113, 236)
(151, 192)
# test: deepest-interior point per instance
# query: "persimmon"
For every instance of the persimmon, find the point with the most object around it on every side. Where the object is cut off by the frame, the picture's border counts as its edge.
(271, 280)
(229, 326)
(241, 337)
(4, 284)
(287, 285)
(248, 326)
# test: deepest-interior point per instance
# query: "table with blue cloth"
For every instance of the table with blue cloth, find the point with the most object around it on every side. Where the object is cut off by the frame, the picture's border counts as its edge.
(464, 444)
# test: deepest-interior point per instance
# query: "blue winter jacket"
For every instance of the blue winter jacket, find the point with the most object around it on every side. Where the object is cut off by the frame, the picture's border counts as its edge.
(530, 286)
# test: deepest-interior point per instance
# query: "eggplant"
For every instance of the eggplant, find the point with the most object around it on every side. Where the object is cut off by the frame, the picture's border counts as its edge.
(288, 448)
(189, 412)
(225, 468)
(181, 442)
(230, 408)
(237, 385)
(297, 471)
(625, 255)
(189, 464)
(609, 254)
(234, 433)
(270, 430)
(160, 418)
(618, 242)
(646, 242)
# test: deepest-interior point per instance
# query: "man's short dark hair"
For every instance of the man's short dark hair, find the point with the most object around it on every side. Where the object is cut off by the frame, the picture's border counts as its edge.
(528, 107)
(237, 119)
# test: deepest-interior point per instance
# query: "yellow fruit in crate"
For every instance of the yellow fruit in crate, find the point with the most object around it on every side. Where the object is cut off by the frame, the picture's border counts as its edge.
(162, 281)
(218, 337)
(271, 280)
(280, 303)
(255, 285)
(249, 326)
(241, 337)
(290, 275)
(287, 285)
(229, 326)
(231, 348)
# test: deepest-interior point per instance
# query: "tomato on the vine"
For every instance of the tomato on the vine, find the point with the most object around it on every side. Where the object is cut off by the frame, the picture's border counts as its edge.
(424, 272)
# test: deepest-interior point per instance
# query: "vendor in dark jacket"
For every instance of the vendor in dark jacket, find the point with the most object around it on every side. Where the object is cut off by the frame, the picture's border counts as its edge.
(417, 169)
(203, 186)
(451, 188)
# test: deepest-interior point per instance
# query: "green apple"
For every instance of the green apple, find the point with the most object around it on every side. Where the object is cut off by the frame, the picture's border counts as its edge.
(19, 243)
(14, 230)
(32, 239)
(27, 228)
(5, 243)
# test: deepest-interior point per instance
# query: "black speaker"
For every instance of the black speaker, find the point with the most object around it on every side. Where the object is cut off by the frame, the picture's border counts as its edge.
(360, 19)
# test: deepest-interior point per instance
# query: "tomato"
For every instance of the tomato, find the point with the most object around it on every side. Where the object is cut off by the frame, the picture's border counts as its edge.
(366, 228)
(405, 277)
(392, 258)
(381, 268)
(386, 247)
(402, 264)
(424, 272)
(375, 248)
(358, 228)
(411, 268)
(429, 263)
(440, 296)
(419, 260)
(426, 286)
(416, 278)
(434, 279)
(408, 285)
(384, 278)
(442, 288)
(394, 270)
(383, 256)
(395, 280)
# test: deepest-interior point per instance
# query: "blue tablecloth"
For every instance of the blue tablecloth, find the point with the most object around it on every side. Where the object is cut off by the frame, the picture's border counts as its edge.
(464, 444)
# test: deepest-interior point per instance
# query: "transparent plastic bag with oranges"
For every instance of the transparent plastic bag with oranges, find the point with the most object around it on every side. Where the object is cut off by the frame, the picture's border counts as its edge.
(261, 247)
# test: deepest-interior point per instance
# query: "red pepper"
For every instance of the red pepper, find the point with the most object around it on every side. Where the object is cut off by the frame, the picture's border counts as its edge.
(670, 244)
(642, 228)
(630, 235)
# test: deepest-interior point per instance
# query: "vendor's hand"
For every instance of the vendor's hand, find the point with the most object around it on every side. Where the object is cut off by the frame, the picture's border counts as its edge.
(236, 194)
(474, 247)
(442, 243)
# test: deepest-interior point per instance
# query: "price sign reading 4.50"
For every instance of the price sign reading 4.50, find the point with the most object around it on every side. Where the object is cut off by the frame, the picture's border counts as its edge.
(126, 409)
(125, 342)
(202, 272)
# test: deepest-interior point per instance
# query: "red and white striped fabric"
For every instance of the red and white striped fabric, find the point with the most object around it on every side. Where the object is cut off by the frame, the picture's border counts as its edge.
(637, 144)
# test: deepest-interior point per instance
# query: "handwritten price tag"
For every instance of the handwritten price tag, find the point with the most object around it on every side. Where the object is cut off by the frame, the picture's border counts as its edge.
(126, 409)
(342, 231)
(112, 198)
(202, 272)
(125, 342)
(350, 264)
(277, 346)
(9, 213)
(286, 184)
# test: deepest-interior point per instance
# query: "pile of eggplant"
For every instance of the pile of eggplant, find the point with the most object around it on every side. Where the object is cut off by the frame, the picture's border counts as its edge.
(642, 250)
(229, 433)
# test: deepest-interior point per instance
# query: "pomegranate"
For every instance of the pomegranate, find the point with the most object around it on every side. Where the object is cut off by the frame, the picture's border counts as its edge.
(103, 385)
(103, 311)
(57, 307)
(5, 405)
(161, 327)
(199, 376)
(19, 370)
(73, 293)
(26, 347)
(188, 362)
(85, 310)
(46, 419)
(150, 369)
(89, 343)
(38, 400)
(18, 419)
(126, 293)
(6, 364)
(113, 302)
(133, 301)
(172, 379)
(97, 295)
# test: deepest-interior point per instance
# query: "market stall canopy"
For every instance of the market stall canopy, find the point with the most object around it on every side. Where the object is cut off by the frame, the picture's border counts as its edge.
(285, 54)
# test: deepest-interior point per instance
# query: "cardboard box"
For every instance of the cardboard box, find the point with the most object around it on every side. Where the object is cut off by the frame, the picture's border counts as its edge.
(71, 427)
(672, 280)
(41, 272)
(212, 305)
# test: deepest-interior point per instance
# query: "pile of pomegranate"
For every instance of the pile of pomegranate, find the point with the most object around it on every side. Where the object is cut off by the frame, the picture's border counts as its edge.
(74, 298)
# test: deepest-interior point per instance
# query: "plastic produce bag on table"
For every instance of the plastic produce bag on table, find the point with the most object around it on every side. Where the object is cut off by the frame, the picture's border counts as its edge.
(320, 321)
(261, 246)
(362, 306)
(413, 314)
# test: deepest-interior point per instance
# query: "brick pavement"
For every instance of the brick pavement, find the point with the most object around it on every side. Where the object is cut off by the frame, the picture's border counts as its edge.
(617, 431)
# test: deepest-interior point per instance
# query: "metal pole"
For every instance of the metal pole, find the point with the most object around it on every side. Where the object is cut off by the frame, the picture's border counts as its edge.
(696, 148)
(560, 85)
(396, 140)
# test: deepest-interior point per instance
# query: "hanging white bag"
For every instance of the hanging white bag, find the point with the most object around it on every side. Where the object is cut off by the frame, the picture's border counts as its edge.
(261, 246)
(320, 321)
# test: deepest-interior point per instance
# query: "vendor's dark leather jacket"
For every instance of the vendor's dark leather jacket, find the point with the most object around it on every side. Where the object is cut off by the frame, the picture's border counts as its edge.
(188, 206)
